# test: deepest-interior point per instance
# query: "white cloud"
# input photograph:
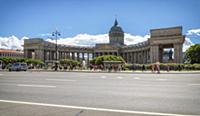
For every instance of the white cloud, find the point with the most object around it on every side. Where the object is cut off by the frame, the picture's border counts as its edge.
(187, 44)
(91, 40)
(45, 35)
(13, 42)
(193, 32)
(83, 40)
(133, 39)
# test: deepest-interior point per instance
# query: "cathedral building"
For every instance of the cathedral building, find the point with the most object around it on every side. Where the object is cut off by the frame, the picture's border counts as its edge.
(149, 51)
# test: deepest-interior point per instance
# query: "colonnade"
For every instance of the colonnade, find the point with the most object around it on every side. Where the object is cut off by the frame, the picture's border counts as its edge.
(51, 55)
(140, 57)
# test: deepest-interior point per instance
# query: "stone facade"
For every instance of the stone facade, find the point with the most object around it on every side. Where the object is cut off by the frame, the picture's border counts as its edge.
(149, 51)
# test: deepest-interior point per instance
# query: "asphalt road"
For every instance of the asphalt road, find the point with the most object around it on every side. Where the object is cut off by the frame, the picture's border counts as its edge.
(98, 94)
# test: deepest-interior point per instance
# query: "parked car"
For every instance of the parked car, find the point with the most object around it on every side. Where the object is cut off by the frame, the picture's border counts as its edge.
(18, 67)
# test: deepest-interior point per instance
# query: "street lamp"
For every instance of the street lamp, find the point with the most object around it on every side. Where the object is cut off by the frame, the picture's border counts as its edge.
(56, 34)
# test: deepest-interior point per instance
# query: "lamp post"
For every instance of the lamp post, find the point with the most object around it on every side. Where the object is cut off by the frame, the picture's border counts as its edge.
(56, 34)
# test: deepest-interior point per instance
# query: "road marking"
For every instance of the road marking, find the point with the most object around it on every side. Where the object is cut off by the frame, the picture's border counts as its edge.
(26, 85)
(94, 109)
(120, 77)
(1, 74)
(6, 84)
(194, 84)
(161, 79)
(103, 77)
(137, 78)
(59, 80)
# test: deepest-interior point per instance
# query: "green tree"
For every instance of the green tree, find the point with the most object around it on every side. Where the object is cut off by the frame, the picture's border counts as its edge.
(99, 60)
(34, 62)
(193, 54)
(69, 62)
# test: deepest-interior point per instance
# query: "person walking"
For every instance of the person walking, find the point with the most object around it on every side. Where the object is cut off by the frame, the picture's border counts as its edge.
(143, 67)
(158, 67)
(152, 68)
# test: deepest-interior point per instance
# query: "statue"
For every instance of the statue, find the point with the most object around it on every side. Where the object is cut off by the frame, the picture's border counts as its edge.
(170, 54)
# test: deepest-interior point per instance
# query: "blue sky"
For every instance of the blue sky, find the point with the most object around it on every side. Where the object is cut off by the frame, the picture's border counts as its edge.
(71, 17)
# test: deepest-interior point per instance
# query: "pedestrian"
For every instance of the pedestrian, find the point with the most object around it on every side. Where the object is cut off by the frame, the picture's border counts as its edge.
(179, 67)
(143, 67)
(152, 68)
(168, 67)
(158, 67)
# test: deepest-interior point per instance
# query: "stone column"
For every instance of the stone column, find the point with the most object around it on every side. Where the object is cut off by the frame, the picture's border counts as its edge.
(69, 55)
(161, 54)
(130, 57)
(93, 55)
(127, 57)
(39, 54)
(154, 52)
(54, 55)
(62, 55)
(59, 55)
(147, 54)
(26, 54)
(73, 56)
(65, 55)
(83, 56)
(144, 56)
(96, 54)
(78, 56)
(45, 55)
(122, 55)
(139, 57)
(134, 57)
(178, 54)
(49, 55)
(88, 58)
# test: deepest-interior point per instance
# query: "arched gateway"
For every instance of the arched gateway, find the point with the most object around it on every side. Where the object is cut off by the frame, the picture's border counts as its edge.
(149, 51)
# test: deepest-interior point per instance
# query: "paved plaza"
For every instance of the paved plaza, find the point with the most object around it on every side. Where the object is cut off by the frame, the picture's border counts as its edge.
(98, 94)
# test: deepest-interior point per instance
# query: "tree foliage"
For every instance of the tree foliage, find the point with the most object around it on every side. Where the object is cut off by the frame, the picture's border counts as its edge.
(193, 54)
(99, 60)
(8, 60)
(69, 62)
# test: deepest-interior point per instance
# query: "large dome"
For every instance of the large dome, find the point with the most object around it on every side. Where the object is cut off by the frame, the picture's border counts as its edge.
(116, 35)
(116, 28)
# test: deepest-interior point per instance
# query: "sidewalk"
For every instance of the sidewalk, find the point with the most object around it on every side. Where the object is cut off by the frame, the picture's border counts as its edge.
(128, 71)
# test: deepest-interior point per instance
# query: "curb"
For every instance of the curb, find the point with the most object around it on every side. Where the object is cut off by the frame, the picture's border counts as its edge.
(128, 72)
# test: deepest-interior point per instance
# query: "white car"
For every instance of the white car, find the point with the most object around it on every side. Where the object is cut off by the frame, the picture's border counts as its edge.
(18, 67)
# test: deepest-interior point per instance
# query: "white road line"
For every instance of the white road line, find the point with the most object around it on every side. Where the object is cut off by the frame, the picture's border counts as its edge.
(161, 79)
(120, 77)
(94, 109)
(103, 77)
(137, 78)
(7, 84)
(59, 80)
(194, 84)
(27, 85)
